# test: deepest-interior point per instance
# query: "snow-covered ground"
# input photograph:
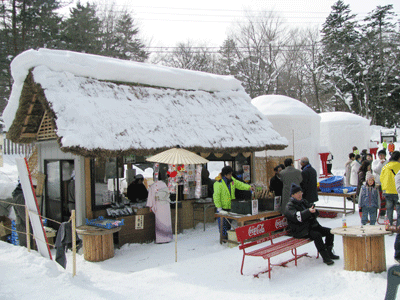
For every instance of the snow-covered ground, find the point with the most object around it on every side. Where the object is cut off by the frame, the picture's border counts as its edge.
(205, 269)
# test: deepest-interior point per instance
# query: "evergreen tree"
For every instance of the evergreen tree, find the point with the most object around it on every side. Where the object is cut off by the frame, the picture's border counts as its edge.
(39, 24)
(25, 24)
(82, 30)
(6, 51)
(126, 43)
(228, 58)
(379, 58)
(339, 39)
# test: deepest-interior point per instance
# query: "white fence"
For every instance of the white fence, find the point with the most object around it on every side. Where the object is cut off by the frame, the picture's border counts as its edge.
(10, 148)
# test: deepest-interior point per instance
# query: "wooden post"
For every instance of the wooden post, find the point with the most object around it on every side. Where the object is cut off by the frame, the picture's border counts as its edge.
(293, 143)
(28, 229)
(73, 242)
(176, 223)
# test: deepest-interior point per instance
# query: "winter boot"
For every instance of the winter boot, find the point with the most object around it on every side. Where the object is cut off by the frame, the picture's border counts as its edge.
(326, 258)
(331, 254)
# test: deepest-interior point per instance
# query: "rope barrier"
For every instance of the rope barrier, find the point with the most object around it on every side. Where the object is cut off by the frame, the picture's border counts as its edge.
(12, 203)
(27, 233)
(31, 234)
(35, 213)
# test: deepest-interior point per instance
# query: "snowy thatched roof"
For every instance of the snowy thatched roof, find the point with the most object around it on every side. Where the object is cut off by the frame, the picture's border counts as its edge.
(100, 105)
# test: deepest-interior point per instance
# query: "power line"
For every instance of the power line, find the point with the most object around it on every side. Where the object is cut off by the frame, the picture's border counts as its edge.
(231, 10)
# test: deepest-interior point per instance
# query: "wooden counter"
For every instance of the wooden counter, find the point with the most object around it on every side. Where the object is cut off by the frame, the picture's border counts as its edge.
(131, 233)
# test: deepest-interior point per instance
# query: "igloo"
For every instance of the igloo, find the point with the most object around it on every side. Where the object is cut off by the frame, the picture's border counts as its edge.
(295, 121)
(340, 131)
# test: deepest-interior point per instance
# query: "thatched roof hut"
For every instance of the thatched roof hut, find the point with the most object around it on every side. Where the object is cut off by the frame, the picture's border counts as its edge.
(99, 106)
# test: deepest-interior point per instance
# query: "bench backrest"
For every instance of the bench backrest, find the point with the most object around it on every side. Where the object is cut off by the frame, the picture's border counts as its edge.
(253, 231)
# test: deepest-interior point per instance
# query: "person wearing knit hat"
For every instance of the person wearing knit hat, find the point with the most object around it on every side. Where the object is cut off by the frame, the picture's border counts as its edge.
(294, 189)
(368, 200)
(302, 221)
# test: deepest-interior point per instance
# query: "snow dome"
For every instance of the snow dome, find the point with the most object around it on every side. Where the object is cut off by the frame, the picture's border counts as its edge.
(340, 131)
(295, 121)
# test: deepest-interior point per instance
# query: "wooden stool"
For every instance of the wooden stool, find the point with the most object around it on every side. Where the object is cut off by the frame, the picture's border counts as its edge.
(98, 243)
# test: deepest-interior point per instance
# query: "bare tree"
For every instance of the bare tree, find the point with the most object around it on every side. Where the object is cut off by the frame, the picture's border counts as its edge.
(191, 57)
(258, 39)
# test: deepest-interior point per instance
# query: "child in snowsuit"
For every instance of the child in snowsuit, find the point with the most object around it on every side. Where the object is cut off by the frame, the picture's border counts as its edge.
(369, 200)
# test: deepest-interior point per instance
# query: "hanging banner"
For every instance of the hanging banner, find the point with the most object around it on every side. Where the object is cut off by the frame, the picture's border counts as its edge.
(197, 193)
(246, 173)
(171, 180)
(186, 180)
(156, 171)
(191, 169)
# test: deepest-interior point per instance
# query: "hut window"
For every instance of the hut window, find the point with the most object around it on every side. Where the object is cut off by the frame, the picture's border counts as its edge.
(106, 174)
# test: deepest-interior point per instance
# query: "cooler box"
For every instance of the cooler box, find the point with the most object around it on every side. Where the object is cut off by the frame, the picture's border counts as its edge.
(242, 207)
(242, 195)
(266, 204)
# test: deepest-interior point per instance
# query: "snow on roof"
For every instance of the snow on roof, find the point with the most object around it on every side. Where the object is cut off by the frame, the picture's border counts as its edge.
(271, 105)
(111, 69)
(342, 117)
(114, 105)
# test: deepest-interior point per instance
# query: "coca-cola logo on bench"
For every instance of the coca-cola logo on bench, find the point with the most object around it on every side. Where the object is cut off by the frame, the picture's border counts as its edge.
(256, 230)
(260, 229)
(281, 223)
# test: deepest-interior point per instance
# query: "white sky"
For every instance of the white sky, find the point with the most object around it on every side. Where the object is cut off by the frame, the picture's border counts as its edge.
(168, 23)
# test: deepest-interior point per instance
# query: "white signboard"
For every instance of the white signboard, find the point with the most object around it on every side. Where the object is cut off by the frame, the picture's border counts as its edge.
(33, 207)
(139, 221)
(254, 207)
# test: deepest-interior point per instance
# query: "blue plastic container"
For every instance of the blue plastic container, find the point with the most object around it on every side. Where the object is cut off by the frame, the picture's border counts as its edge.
(331, 182)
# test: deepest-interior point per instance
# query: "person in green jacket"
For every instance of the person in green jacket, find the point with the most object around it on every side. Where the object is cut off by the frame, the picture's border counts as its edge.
(224, 192)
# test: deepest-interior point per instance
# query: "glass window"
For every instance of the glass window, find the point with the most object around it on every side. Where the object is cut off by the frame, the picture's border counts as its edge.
(106, 174)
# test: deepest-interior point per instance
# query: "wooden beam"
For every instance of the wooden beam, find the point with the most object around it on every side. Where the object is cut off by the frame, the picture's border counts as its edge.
(88, 190)
(28, 135)
(29, 112)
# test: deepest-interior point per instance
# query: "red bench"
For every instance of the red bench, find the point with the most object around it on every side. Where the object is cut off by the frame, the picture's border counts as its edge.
(268, 230)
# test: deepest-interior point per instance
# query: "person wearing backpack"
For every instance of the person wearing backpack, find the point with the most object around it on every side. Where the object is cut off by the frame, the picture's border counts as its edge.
(388, 184)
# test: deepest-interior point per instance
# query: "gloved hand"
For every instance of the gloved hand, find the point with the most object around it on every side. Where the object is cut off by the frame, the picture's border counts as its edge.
(221, 211)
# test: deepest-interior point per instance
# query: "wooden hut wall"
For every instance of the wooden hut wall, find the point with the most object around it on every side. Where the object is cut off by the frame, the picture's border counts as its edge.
(50, 150)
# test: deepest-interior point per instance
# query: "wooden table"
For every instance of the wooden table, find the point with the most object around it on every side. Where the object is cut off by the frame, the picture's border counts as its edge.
(98, 243)
(240, 219)
(344, 210)
(363, 247)
(201, 206)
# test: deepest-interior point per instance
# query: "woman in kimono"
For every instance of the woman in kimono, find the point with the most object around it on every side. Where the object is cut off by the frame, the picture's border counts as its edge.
(159, 202)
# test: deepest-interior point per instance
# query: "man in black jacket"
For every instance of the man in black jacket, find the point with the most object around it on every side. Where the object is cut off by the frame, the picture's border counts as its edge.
(275, 184)
(302, 221)
(309, 183)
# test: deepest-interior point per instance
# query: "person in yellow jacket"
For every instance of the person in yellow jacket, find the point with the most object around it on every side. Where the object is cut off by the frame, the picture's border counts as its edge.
(388, 184)
(224, 192)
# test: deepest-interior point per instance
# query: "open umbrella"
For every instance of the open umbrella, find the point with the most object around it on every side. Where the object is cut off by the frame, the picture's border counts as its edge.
(176, 156)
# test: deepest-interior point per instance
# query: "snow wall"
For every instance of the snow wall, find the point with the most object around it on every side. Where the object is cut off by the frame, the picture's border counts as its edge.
(295, 121)
(340, 131)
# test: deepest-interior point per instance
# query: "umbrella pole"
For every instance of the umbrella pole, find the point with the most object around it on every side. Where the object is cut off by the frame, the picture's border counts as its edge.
(176, 224)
